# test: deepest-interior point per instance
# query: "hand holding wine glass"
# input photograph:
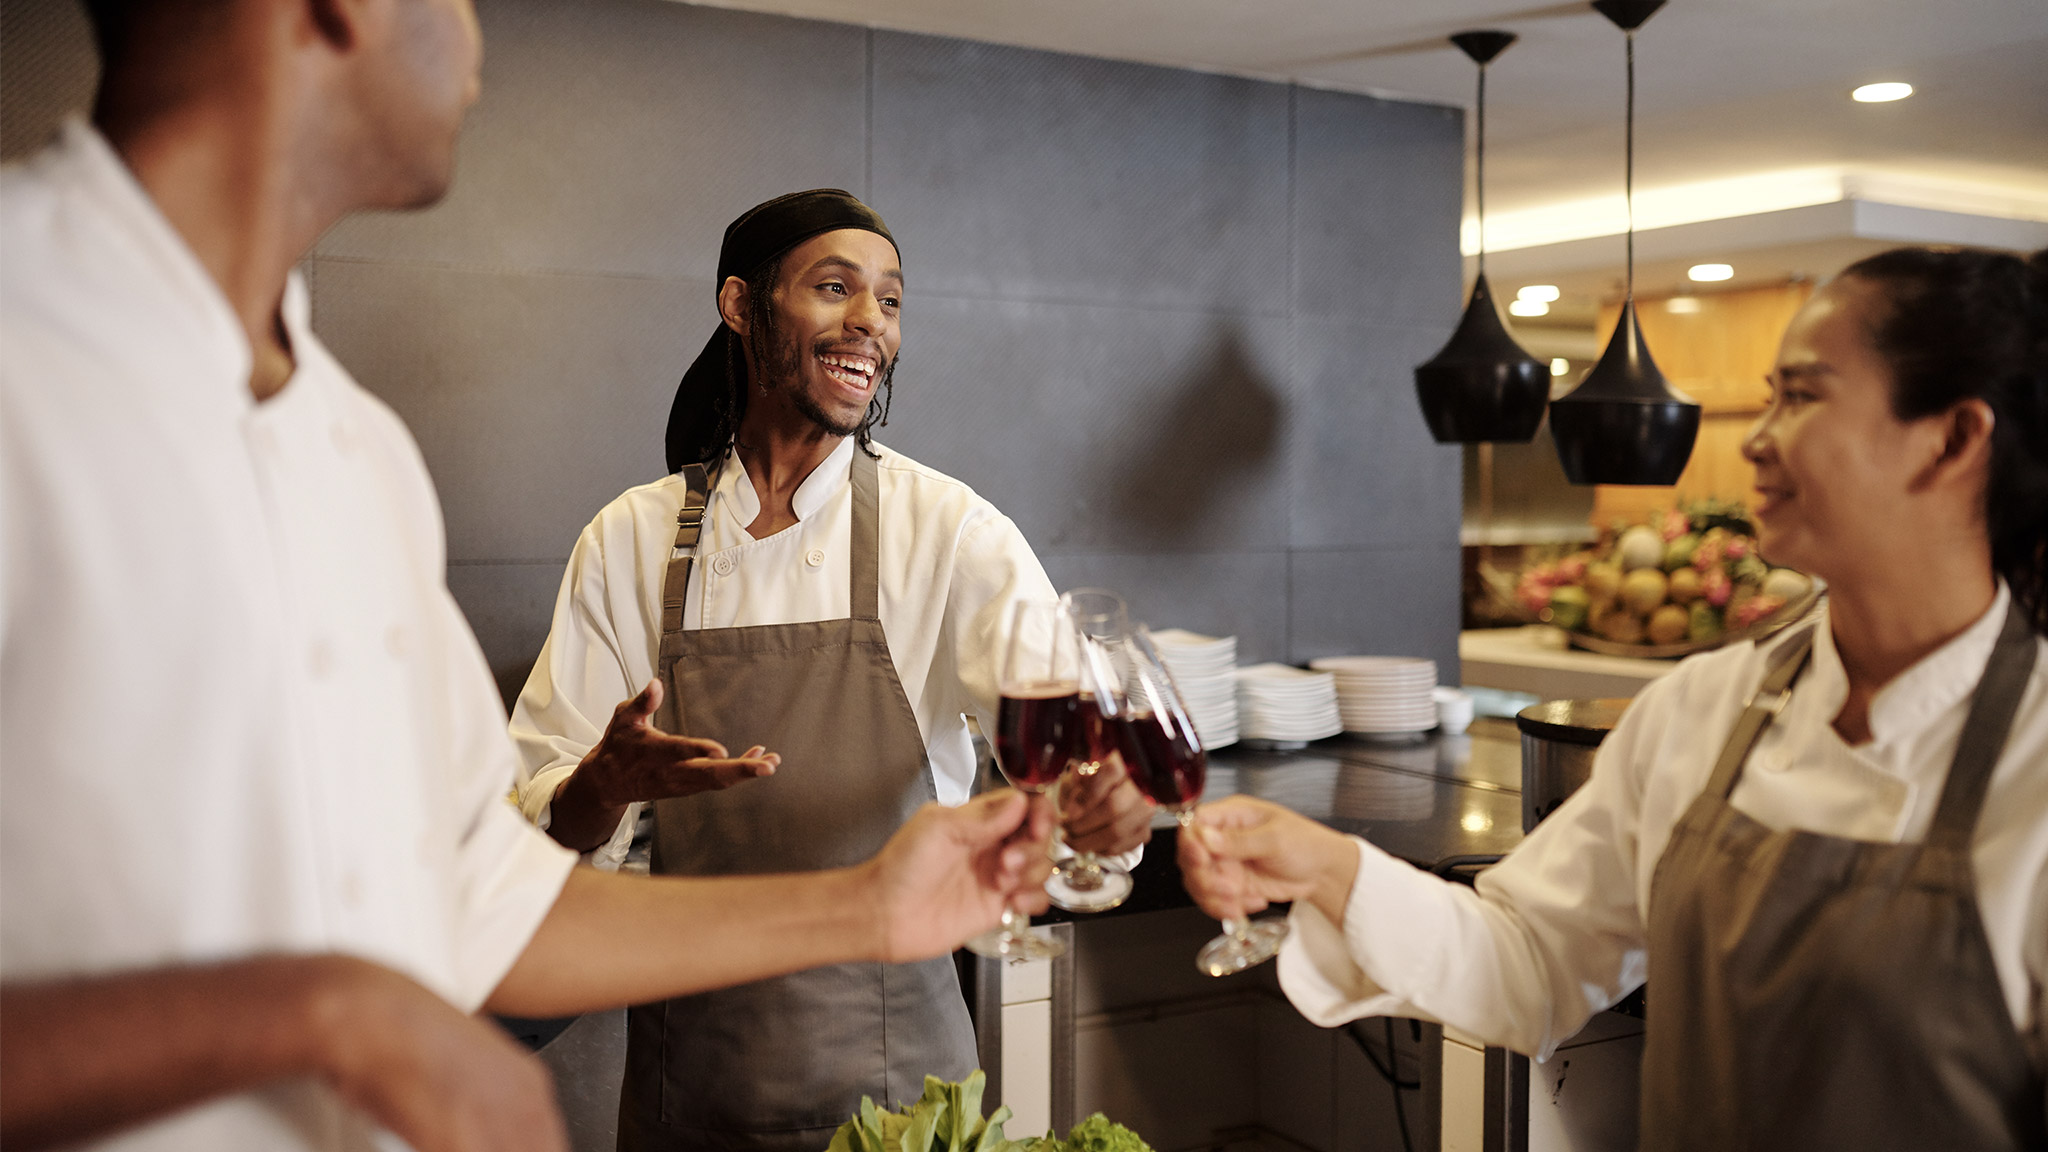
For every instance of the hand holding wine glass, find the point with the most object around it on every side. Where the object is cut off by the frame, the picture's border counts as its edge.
(1086, 882)
(1164, 755)
(1240, 854)
(1036, 730)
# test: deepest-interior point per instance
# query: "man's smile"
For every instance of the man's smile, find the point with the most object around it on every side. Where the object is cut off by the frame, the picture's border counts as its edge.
(853, 370)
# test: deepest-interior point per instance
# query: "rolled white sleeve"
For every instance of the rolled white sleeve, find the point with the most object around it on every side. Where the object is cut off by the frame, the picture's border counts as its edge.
(507, 874)
(994, 569)
(1550, 936)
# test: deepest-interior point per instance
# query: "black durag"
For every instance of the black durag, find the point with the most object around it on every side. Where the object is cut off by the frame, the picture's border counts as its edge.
(762, 233)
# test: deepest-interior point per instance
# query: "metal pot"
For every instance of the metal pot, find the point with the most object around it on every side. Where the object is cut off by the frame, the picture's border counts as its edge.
(1559, 738)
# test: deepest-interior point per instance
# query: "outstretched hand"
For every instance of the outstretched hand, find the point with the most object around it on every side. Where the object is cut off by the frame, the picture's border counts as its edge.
(948, 874)
(1242, 854)
(635, 762)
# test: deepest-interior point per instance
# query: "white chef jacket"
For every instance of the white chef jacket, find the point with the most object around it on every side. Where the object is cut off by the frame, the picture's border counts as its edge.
(1557, 930)
(951, 566)
(239, 712)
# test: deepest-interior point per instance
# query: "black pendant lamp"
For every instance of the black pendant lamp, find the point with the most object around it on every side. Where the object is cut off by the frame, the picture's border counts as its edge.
(1623, 424)
(1482, 387)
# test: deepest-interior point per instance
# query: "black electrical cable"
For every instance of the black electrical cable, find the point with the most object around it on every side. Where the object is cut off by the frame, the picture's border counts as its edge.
(1391, 1074)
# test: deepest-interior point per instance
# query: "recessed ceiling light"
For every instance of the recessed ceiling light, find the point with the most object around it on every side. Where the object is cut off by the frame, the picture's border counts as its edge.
(1682, 305)
(1881, 93)
(1705, 273)
(1543, 292)
(1529, 308)
(1559, 365)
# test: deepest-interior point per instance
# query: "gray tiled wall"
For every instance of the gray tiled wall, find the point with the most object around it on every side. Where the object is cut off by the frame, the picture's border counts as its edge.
(1164, 319)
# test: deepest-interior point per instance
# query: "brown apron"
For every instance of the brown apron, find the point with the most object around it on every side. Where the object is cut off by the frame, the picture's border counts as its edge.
(1815, 992)
(779, 1064)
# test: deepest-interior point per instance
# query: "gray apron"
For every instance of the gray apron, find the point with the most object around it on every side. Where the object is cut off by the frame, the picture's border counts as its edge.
(779, 1064)
(1815, 992)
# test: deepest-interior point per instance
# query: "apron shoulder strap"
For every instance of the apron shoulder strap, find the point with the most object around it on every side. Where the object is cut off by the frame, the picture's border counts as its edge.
(689, 525)
(1992, 707)
(863, 581)
(1786, 661)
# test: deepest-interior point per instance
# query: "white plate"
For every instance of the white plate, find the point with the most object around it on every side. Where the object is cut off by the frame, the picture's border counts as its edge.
(1370, 665)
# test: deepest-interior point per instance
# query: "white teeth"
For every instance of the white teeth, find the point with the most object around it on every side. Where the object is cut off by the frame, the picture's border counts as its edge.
(861, 365)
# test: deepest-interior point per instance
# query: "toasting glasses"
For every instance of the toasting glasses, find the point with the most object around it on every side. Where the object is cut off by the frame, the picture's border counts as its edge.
(1086, 882)
(1036, 727)
(1165, 759)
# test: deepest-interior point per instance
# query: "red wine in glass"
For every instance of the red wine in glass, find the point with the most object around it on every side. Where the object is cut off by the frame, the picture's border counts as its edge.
(1037, 727)
(1164, 764)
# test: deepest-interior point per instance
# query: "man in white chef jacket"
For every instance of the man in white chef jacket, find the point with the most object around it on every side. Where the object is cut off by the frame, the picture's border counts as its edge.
(256, 866)
(791, 584)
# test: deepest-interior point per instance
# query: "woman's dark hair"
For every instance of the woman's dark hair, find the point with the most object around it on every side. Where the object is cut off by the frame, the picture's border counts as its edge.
(726, 406)
(1964, 324)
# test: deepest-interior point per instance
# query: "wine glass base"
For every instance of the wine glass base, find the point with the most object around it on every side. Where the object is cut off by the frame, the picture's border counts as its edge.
(1015, 947)
(1228, 955)
(1110, 890)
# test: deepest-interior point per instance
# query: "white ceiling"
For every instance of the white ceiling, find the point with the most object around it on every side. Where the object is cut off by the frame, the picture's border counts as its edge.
(1727, 89)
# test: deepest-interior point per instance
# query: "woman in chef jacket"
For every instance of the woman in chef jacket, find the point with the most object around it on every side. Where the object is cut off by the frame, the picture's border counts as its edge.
(1826, 853)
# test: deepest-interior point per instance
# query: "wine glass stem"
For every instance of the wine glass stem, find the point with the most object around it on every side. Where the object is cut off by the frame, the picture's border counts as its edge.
(1235, 929)
(1085, 873)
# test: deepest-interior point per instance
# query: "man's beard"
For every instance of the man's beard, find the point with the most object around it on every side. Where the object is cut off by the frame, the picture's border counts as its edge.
(781, 364)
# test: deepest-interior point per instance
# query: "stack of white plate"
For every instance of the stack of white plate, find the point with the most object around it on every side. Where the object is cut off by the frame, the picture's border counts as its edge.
(1383, 695)
(1285, 704)
(1202, 668)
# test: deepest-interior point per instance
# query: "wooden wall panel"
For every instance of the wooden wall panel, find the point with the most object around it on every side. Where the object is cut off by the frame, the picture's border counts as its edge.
(1718, 355)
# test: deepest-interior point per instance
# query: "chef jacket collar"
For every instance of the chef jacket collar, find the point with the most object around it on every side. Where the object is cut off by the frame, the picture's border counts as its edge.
(180, 284)
(1921, 694)
(743, 504)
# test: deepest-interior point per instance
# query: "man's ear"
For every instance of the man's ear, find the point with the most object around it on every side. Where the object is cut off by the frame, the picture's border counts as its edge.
(733, 298)
(339, 22)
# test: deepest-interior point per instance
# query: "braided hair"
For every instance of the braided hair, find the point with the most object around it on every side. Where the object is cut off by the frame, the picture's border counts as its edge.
(1963, 324)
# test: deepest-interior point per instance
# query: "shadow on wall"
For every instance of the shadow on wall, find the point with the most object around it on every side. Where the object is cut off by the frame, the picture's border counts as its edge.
(1166, 472)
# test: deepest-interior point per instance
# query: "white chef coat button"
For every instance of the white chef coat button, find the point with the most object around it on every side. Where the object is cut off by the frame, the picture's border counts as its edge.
(722, 564)
(394, 642)
(320, 659)
(815, 557)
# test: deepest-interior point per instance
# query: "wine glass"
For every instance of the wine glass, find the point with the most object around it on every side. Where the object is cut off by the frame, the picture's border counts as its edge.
(1085, 882)
(1036, 727)
(1165, 758)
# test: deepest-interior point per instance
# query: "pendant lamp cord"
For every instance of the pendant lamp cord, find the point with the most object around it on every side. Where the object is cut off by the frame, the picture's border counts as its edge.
(1482, 170)
(1629, 177)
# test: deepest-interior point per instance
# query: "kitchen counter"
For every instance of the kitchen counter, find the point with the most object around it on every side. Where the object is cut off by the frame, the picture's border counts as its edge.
(1429, 800)
(1536, 659)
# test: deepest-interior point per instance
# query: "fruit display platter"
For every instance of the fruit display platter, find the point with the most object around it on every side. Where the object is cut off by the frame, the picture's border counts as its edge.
(1688, 582)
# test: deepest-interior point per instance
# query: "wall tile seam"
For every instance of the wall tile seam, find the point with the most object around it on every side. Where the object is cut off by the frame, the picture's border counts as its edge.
(867, 186)
(1065, 553)
(1446, 544)
(1295, 372)
(913, 297)
(1105, 304)
(507, 269)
